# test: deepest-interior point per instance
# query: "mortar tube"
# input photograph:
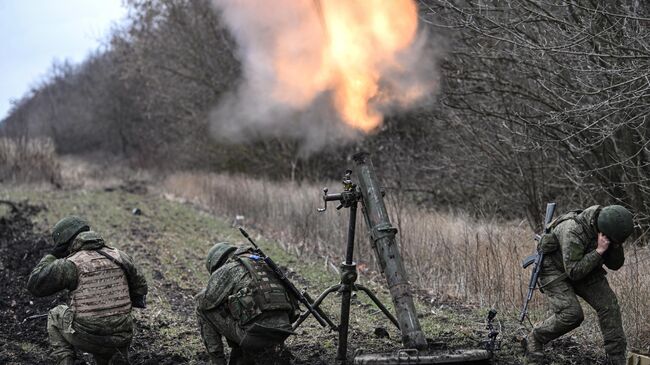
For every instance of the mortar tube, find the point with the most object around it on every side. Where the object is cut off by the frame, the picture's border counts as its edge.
(382, 235)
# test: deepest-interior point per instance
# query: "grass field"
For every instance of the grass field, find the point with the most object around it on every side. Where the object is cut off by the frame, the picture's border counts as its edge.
(169, 241)
(460, 266)
(450, 256)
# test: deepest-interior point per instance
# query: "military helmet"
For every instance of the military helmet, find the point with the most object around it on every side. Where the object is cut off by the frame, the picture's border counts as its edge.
(217, 255)
(67, 228)
(615, 222)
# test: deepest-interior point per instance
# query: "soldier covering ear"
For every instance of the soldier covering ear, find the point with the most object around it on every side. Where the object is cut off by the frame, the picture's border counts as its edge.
(102, 282)
(579, 244)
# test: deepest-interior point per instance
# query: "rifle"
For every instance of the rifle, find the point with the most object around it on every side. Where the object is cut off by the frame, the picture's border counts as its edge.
(318, 313)
(536, 260)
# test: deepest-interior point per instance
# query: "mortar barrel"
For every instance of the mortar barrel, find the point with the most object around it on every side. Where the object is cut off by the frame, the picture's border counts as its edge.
(382, 235)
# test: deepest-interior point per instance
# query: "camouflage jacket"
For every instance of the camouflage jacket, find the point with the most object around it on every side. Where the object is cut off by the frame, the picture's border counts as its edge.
(576, 257)
(52, 275)
(233, 283)
(225, 281)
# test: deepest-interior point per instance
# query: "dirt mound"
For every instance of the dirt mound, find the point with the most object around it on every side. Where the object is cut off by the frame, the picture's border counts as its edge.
(20, 249)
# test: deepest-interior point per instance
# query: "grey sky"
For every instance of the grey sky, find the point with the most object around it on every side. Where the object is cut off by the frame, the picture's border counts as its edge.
(34, 33)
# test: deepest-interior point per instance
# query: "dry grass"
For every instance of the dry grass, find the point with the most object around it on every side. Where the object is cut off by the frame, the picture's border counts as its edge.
(448, 256)
(28, 161)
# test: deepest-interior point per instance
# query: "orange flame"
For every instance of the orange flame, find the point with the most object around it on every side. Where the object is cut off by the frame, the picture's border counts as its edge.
(297, 49)
(364, 38)
(359, 41)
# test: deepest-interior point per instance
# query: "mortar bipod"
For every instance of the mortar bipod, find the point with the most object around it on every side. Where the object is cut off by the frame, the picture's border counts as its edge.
(348, 198)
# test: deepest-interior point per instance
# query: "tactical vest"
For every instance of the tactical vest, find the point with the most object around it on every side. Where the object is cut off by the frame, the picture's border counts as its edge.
(265, 292)
(550, 245)
(102, 288)
(549, 242)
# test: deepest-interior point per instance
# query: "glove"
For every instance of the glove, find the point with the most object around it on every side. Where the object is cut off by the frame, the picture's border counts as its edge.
(139, 301)
(60, 251)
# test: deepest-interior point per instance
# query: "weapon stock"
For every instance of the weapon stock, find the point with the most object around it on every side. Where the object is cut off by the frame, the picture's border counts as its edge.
(536, 260)
(318, 313)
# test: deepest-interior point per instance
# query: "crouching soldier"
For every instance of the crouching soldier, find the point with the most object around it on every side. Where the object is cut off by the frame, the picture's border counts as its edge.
(104, 284)
(245, 303)
(579, 244)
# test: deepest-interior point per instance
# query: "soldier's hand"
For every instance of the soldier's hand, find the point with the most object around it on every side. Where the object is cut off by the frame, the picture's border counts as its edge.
(60, 251)
(139, 301)
(603, 243)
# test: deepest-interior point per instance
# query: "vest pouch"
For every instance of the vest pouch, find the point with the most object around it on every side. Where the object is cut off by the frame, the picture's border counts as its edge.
(548, 243)
(267, 290)
(242, 306)
(273, 300)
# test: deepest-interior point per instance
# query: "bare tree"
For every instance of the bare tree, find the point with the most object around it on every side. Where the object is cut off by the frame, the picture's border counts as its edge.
(554, 93)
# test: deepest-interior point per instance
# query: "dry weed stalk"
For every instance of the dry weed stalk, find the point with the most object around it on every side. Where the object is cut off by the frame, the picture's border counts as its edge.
(448, 256)
(24, 160)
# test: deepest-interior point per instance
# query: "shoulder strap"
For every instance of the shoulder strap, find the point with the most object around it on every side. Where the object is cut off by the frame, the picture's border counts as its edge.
(571, 215)
(244, 260)
(116, 262)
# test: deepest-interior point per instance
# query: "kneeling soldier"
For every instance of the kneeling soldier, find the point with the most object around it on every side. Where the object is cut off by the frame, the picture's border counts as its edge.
(244, 302)
(579, 244)
(104, 284)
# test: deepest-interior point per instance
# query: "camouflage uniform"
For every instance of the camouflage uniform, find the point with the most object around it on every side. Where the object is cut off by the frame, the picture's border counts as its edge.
(98, 331)
(573, 267)
(232, 306)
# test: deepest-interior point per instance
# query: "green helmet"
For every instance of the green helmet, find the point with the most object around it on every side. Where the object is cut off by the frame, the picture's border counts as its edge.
(615, 222)
(218, 255)
(67, 228)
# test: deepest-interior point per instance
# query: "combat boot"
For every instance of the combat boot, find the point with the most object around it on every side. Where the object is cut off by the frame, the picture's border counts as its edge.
(66, 361)
(534, 350)
(217, 359)
(616, 360)
(238, 357)
(235, 355)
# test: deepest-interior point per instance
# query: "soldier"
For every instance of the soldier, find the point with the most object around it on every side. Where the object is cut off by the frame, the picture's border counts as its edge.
(244, 302)
(104, 284)
(579, 244)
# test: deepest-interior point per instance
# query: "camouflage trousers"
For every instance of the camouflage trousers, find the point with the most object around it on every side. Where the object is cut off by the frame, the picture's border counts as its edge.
(65, 340)
(245, 345)
(568, 313)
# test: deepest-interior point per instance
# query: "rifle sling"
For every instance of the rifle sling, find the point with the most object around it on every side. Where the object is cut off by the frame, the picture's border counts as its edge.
(561, 277)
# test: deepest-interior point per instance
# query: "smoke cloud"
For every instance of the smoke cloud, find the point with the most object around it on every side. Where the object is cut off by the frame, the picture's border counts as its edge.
(323, 71)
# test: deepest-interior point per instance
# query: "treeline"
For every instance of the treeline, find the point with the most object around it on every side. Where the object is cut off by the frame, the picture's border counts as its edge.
(538, 101)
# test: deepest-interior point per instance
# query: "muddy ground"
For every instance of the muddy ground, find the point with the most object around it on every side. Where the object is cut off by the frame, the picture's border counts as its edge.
(23, 340)
(166, 331)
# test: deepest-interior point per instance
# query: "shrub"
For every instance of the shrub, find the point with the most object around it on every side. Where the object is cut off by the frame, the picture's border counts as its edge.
(25, 160)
